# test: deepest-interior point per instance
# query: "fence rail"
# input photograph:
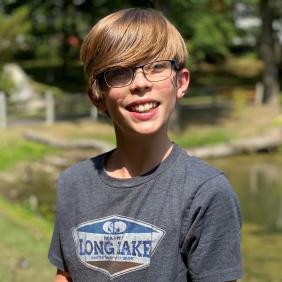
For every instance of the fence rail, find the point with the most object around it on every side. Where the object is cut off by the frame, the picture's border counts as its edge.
(48, 109)
(52, 108)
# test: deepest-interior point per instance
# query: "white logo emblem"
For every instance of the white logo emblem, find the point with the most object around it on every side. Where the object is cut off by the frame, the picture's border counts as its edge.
(116, 245)
(114, 227)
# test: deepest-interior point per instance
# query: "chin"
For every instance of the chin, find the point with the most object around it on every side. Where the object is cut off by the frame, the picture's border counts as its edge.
(150, 130)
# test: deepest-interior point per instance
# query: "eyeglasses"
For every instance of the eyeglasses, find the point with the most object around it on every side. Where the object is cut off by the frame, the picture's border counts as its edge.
(155, 71)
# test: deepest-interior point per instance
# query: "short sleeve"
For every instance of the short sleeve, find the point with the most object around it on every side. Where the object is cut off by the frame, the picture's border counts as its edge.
(55, 254)
(211, 244)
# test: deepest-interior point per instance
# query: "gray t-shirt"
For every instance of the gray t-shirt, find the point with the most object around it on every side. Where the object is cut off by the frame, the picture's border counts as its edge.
(178, 222)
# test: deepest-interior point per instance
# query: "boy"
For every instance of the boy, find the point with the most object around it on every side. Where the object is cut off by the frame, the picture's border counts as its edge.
(146, 211)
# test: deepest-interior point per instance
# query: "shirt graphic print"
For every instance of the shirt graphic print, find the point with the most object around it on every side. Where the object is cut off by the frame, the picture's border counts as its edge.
(116, 245)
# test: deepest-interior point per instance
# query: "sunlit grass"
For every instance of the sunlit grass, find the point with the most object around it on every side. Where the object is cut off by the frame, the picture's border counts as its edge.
(196, 137)
(14, 148)
(24, 245)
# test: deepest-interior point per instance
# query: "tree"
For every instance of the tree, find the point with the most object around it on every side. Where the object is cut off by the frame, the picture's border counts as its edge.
(14, 31)
(207, 26)
(270, 70)
(269, 13)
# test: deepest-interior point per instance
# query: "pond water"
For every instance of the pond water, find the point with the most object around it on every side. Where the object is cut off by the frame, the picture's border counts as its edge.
(256, 179)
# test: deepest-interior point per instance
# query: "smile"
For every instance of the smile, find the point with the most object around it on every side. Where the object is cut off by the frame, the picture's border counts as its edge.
(143, 108)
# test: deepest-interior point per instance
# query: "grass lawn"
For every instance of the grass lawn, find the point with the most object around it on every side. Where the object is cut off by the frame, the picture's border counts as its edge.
(24, 245)
(15, 150)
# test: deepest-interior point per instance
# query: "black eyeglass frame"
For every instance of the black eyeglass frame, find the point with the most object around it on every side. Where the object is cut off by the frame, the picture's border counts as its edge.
(102, 75)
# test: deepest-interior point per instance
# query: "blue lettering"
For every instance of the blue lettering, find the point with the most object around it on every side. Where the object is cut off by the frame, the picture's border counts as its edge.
(135, 248)
(81, 250)
(109, 249)
(88, 247)
(125, 249)
(147, 248)
(98, 249)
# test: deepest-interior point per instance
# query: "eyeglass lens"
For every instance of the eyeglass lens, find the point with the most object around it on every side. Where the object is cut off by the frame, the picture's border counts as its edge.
(155, 71)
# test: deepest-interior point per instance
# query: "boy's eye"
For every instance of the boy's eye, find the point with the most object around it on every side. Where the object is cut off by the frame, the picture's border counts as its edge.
(118, 77)
(157, 66)
(120, 72)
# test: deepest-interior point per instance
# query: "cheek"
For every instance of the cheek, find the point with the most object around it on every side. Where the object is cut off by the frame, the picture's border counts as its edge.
(114, 102)
(114, 95)
(168, 89)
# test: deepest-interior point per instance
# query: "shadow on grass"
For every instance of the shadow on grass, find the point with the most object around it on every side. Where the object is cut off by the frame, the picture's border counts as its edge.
(202, 115)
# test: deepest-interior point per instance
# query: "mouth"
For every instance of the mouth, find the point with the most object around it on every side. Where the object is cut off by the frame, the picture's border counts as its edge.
(142, 108)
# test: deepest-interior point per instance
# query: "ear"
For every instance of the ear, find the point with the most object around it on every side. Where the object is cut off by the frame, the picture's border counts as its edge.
(98, 102)
(183, 78)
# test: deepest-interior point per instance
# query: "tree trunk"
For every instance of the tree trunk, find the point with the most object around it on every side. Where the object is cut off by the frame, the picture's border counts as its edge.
(64, 39)
(270, 71)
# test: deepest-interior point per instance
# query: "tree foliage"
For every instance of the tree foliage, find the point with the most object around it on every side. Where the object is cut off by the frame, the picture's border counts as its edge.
(207, 25)
(14, 32)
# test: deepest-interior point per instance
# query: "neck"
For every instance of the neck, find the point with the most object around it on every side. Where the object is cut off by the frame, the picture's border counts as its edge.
(136, 156)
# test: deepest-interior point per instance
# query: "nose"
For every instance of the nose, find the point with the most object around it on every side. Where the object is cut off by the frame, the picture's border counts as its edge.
(139, 80)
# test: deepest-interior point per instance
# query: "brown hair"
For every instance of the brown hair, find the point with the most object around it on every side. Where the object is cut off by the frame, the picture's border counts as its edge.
(130, 37)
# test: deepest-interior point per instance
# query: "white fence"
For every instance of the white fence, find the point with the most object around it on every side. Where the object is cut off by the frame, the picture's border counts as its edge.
(47, 110)
(52, 108)
(3, 110)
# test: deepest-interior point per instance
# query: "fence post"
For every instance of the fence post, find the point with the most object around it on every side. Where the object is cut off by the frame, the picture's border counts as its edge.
(3, 110)
(94, 113)
(259, 93)
(50, 108)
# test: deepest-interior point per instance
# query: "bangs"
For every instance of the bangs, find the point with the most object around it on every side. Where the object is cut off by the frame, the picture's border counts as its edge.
(130, 37)
(136, 38)
(140, 36)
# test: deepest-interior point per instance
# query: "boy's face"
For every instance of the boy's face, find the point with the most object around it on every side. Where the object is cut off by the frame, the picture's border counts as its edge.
(144, 107)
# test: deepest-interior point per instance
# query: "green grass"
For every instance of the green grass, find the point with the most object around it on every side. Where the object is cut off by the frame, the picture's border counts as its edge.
(13, 150)
(24, 245)
(189, 139)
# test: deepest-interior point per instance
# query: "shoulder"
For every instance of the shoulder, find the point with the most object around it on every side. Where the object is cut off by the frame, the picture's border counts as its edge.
(213, 200)
(216, 190)
(204, 183)
(212, 203)
(211, 183)
(197, 171)
(80, 172)
(82, 167)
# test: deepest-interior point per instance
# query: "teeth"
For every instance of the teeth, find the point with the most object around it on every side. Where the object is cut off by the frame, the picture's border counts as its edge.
(144, 107)
(141, 108)
(147, 107)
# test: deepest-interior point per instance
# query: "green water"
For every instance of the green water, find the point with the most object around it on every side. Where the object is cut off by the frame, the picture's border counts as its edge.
(257, 181)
